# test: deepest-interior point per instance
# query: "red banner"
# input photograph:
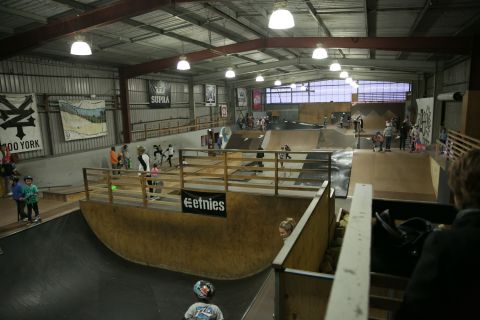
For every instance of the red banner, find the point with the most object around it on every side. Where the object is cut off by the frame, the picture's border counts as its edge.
(257, 99)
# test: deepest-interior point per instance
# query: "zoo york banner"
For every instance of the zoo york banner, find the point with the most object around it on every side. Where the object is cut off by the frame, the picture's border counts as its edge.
(206, 203)
(19, 122)
(159, 93)
(83, 119)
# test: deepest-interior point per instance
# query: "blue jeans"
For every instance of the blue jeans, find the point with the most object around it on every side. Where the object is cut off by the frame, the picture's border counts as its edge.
(388, 142)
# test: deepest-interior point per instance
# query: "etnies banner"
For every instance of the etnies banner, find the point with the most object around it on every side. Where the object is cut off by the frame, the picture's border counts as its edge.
(159, 94)
(206, 203)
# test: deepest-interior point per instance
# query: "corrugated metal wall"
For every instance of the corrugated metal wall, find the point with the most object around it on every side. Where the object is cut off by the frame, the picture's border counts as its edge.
(54, 80)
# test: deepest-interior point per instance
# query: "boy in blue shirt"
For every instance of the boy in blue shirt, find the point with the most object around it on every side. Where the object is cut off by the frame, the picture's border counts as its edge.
(203, 310)
(18, 196)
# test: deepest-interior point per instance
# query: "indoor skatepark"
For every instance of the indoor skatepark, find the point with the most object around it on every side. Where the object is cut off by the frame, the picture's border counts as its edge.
(119, 239)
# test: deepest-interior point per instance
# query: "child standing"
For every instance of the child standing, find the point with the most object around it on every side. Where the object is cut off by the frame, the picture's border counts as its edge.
(154, 174)
(17, 195)
(203, 309)
(30, 192)
(170, 152)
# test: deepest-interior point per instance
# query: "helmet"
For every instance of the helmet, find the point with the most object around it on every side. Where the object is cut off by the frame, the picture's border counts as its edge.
(27, 178)
(204, 290)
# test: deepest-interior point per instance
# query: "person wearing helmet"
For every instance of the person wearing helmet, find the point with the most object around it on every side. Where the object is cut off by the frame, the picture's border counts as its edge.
(203, 309)
(30, 192)
(17, 195)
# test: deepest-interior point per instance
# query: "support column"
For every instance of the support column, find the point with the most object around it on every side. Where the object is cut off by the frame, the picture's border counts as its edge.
(191, 100)
(471, 99)
(125, 106)
(437, 105)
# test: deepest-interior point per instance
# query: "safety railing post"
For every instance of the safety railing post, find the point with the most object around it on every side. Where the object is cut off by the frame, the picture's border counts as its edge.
(85, 183)
(276, 173)
(109, 185)
(180, 162)
(225, 170)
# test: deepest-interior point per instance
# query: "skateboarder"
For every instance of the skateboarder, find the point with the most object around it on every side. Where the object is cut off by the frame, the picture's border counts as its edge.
(30, 192)
(203, 309)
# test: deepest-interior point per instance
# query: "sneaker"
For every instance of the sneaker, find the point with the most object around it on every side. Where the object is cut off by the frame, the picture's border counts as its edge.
(37, 219)
(9, 194)
(25, 219)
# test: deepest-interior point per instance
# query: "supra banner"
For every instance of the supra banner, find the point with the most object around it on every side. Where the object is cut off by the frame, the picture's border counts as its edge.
(159, 94)
(19, 122)
(206, 203)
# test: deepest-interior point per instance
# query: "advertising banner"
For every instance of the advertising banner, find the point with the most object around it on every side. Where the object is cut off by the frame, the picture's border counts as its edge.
(83, 119)
(19, 122)
(210, 95)
(223, 111)
(205, 203)
(257, 99)
(425, 118)
(242, 97)
(159, 94)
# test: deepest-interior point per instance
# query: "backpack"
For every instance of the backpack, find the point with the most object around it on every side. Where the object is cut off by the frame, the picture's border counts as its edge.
(397, 248)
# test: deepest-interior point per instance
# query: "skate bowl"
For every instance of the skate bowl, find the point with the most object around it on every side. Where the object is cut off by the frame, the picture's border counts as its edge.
(247, 140)
(238, 246)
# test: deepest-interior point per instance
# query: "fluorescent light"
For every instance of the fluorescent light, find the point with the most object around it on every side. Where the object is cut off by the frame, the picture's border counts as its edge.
(344, 74)
(354, 84)
(293, 86)
(278, 83)
(183, 64)
(303, 88)
(349, 80)
(319, 52)
(335, 66)
(80, 47)
(230, 73)
(259, 78)
(281, 18)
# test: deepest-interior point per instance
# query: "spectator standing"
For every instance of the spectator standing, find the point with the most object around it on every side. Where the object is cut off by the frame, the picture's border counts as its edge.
(281, 156)
(286, 227)
(287, 148)
(219, 142)
(30, 192)
(125, 157)
(114, 160)
(144, 163)
(445, 283)
(414, 138)
(387, 133)
(170, 152)
(203, 309)
(19, 198)
(404, 130)
(260, 156)
(154, 174)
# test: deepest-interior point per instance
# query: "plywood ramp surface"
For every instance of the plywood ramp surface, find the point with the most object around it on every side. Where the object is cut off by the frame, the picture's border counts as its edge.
(242, 244)
(296, 139)
(394, 175)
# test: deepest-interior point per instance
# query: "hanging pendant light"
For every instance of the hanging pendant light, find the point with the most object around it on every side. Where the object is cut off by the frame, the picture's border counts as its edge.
(344, 74)
(320, 52)
(293, 86)
(348, 80)
(80, 47)
(183, 64)
(335, 66)
(281, 18)
(303, 88)
(259, 78)
(230, 73)
(277, 83)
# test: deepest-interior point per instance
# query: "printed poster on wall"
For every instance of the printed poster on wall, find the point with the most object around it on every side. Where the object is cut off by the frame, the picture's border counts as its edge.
(83, 119)
(205, 203)
(425, 118)
(257, 99)
(242, 97)
(223, 111)
(19, 122)
(159, 94)
(210, 95)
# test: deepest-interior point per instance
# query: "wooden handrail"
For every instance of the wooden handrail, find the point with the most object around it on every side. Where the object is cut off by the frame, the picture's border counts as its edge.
(459, 143)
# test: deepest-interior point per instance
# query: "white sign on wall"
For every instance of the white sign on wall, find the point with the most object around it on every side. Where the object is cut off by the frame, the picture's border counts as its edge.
(210, 95)
(19, 122)
(425, 118)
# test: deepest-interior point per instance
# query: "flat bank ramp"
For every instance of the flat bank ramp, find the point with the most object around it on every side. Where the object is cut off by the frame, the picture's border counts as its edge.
(60, 270)
(394, 175)
(302, 140)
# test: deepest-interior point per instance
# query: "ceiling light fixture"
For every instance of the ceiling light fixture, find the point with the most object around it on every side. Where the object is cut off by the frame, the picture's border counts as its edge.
(344, 74)
(80, 47)
(230, 73)
(278, 83)
(259, 78)
(335, 66)
(348, 80)
(303, 88)
(183, 64)
(281, 18)
(319, 52)
(354, 84)
(293, 86)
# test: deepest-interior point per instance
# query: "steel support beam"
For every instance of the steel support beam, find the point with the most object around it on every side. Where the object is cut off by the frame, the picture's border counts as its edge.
(23, 14)
(420, 44)
(416, 23)
(125, 106)
(371, 21)
(97, 17)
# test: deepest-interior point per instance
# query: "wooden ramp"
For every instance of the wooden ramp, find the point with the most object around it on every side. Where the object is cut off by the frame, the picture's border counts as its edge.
(296, 139)
(394, 175)
(65, 194)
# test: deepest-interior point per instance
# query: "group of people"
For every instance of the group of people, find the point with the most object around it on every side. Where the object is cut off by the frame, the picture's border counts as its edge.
(405, 132)
(25, 195)
(121, 159)
(249, 122)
